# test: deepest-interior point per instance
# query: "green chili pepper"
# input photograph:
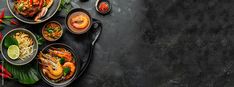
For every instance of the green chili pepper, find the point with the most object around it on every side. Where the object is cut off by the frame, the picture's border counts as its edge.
(8, 17)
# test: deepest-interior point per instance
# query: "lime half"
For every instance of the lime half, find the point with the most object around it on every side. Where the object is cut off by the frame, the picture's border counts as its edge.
(13, 52)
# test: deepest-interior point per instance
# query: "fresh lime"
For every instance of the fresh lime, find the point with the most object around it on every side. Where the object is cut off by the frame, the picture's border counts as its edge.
(13, 52)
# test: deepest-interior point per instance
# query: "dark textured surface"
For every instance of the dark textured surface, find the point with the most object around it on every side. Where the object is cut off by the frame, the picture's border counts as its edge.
(163, 43)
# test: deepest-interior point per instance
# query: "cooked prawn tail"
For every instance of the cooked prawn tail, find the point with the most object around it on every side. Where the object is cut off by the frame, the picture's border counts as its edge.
(41, 14)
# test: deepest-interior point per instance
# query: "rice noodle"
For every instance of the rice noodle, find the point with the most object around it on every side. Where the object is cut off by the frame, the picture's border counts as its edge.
(25, 45)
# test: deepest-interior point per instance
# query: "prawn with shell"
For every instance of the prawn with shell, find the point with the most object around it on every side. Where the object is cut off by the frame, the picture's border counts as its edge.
(57, 64)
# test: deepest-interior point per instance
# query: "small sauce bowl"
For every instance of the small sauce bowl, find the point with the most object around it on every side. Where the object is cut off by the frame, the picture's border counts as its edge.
(99, 2)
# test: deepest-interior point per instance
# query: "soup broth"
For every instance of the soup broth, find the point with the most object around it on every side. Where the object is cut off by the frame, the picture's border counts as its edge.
(79, 22)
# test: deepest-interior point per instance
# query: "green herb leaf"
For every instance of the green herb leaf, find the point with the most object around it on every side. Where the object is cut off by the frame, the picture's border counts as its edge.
(50, 30)
(66, 70)
(10, 41)
(64, 3)
(40, 39)
(20, 8)
(62, 60)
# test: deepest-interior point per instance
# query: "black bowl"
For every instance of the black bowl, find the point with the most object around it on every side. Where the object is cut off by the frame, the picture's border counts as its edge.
(78, 10)
(18, 61)
(51, 12)
(77, 63)
(97, 6)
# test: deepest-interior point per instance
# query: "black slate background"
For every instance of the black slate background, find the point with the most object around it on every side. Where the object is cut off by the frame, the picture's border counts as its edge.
(163, 43)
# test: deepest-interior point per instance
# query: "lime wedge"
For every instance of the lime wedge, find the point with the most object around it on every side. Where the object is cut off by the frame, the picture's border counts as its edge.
(13, 52)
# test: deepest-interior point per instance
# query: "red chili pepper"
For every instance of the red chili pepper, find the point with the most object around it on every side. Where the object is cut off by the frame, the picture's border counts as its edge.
(13, 22)
(1, 21)
(5, 76)
(31, 2)
(1, 36)
(2, 13)
(5, 71)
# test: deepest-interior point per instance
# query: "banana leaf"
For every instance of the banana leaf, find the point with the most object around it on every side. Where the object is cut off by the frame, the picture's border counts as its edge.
(26, 74)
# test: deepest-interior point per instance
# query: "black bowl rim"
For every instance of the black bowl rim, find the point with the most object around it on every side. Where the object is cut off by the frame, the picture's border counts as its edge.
(8, 6)
(21, 29)
(78, 10)
(77, 60)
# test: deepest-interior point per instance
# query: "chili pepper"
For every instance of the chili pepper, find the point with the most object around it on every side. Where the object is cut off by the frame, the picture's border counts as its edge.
(1, 36)
(1, 21)
(5, 76)
(2, 13)
(13, 22)
(8, 17)
(5, 71)
(31, 2)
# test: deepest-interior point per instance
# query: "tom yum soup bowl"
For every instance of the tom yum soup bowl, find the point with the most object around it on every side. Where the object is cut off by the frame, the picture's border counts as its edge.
(52, 31)
(78, 21)
(55, 68)
(19, 46)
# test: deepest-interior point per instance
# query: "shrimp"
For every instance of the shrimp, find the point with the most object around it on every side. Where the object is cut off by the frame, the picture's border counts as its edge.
(61, 53)
(41, 14)
(49, 3)
(57, 71)
(46, 60)
(80, 22)
(55, 68)
(72, 69)
(45, 71)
